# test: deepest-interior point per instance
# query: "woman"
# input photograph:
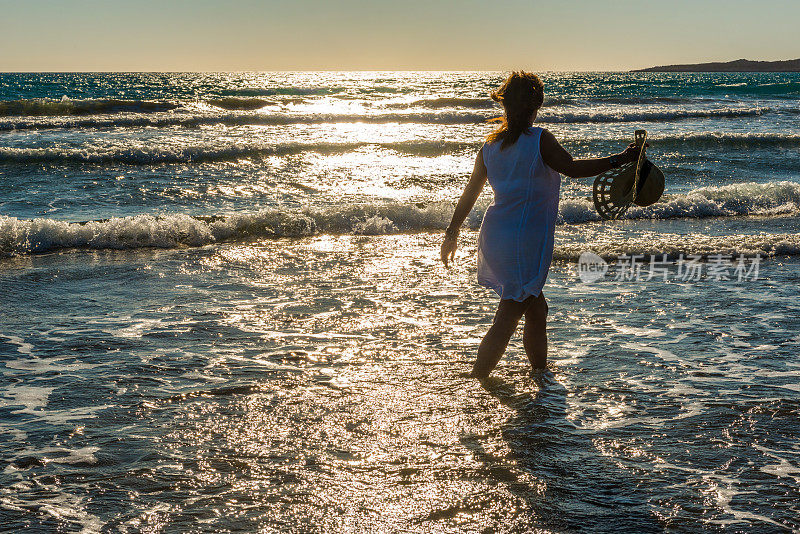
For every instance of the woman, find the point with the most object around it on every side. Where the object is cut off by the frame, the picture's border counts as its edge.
(515, 244)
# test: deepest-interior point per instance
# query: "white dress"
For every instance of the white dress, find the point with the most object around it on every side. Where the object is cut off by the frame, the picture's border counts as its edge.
(515, 244)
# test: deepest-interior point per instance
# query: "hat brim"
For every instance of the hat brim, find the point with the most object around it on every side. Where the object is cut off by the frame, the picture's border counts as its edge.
(651, 185)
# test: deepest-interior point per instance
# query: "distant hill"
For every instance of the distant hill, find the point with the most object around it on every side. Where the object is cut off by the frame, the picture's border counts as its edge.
(740, 65)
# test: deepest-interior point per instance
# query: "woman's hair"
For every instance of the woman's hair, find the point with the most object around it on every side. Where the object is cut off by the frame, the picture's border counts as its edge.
(522, 95)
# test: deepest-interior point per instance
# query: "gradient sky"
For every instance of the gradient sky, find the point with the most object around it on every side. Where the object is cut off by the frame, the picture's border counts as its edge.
(190, 35)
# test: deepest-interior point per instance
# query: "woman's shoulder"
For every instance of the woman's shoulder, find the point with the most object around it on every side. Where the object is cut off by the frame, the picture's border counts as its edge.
(489, 146)
(531, 134)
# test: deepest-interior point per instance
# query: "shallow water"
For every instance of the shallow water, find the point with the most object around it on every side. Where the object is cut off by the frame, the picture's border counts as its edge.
(315, 384)
(248, 334)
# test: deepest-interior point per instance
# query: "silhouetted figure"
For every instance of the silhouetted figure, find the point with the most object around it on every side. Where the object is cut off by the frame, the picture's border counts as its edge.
(515, 245)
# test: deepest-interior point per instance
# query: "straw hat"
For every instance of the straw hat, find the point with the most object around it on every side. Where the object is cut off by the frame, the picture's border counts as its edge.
(639, 182)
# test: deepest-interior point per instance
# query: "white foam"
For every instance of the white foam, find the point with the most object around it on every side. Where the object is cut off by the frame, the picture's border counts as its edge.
(783, 469)
(211, 151)
(48, 365)
(154, 114)
(89, 106)
(146, 517)
(53, 501)
(21, 236)
(63, 455)
(749, 198)
(673, 245)
(622, 114)
(193, 120)
(22, 346)
(15, 433)
(375, 225)
(29, 397)
(32, 400)
(722, 489)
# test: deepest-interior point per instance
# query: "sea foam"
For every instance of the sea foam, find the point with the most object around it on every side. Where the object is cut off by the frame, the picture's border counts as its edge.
(21, 236)
(212, 152)
(135, 154)
(674, 245)
(750, 198)
(244, 112)
(36, 107)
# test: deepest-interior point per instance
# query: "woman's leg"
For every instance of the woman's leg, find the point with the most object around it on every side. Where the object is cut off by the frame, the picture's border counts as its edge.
(534, 336)
(494, 343)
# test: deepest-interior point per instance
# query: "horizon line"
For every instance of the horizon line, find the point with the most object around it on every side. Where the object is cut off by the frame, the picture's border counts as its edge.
(213, 71)
(170, 71)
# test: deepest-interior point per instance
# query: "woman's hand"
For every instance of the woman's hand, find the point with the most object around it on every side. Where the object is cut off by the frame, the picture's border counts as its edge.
(632, 152)
(449, 246)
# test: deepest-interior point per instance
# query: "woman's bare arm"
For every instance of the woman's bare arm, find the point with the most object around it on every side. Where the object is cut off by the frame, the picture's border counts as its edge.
(471, 193)
(558, 159)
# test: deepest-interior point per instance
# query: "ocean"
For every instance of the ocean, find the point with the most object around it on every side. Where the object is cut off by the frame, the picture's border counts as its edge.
(222, 309)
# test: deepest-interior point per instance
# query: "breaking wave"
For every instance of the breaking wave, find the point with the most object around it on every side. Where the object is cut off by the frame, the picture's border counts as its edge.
(21, 236)
(38, 107)
(235, 103)
(742, 140)
(156, 155)
(213, 152)
(636, 99)
(675, 245)
(447, 102)
(281, 91)
(750, 198)
(147, 117)
(622, 115)
(242, 119)
(466, 102)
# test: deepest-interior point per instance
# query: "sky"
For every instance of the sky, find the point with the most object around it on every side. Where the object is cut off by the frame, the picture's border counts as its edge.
(204, 35)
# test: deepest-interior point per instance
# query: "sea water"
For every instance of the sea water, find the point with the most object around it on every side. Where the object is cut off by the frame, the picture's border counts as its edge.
(222, 309)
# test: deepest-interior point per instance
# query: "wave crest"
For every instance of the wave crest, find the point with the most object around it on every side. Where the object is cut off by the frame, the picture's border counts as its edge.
(212, 153)
(282, 91)
(206, 153)
(38, 107)
(242, 119)
(447, 102)
(750, 198)
(675, 245)
(20, 236)
(570, 116)
(238, 103)
(64, 120)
